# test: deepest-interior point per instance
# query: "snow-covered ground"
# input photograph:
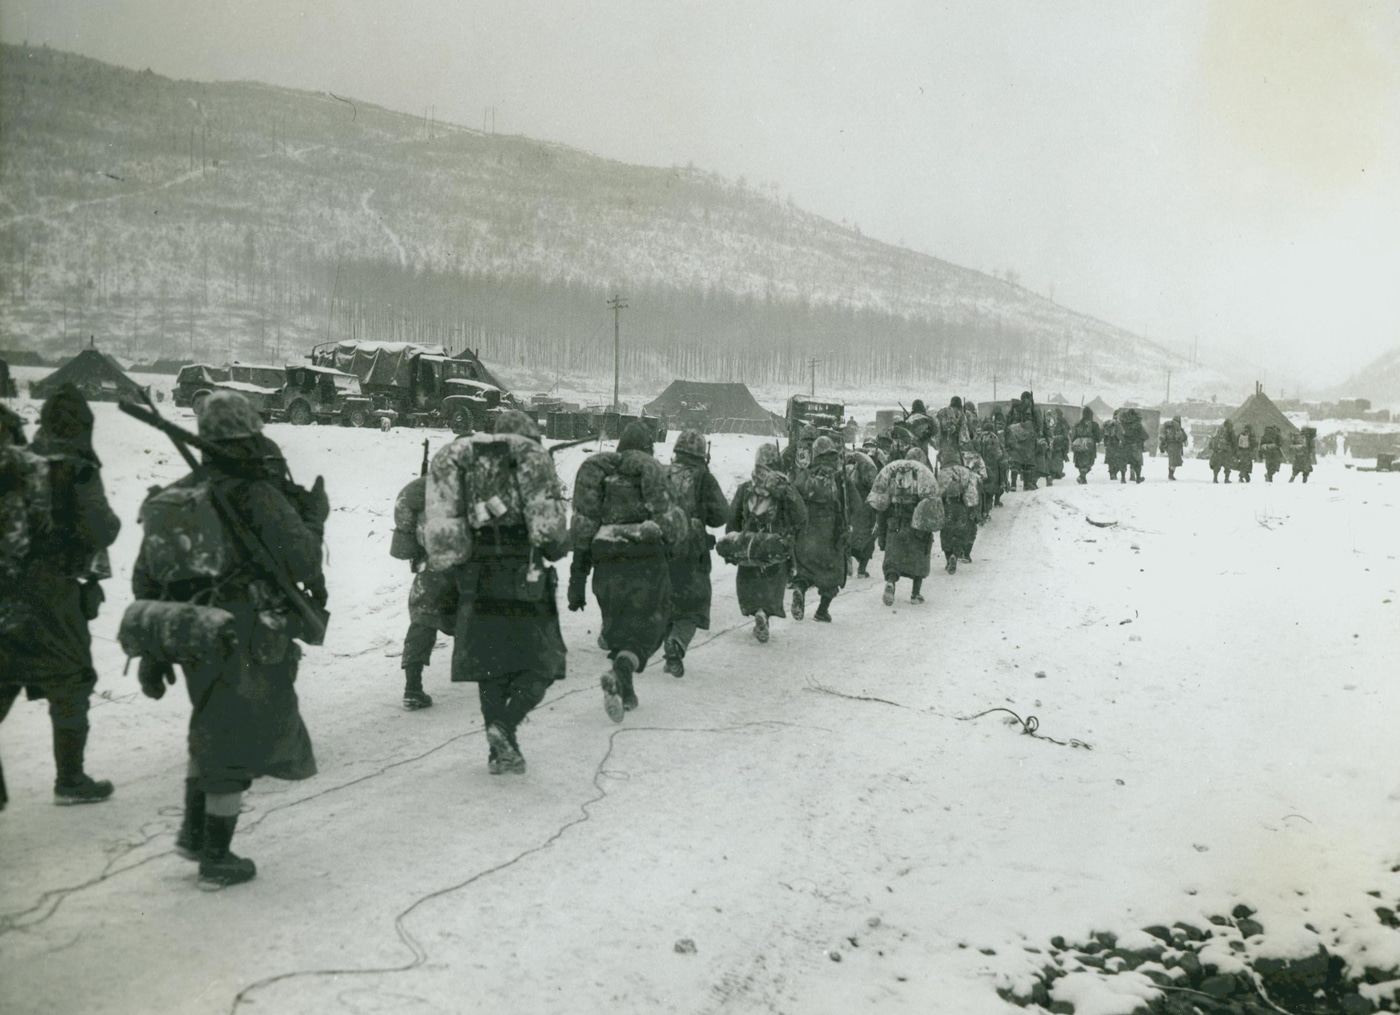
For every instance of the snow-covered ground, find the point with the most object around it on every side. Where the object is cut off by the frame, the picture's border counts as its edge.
(1226, 654)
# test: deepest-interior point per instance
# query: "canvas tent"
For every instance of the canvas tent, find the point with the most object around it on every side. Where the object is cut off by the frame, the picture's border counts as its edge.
(714, 408)
(95, 374)
(1102, 410)
(1260, 411)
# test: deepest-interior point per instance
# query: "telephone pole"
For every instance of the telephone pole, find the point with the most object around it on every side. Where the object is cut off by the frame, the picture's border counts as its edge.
(618, 304)
(812, 365)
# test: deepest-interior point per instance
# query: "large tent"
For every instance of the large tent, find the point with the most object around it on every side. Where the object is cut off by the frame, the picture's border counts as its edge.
(1102, 410)
(98, 376)
(1260, 411)
(714, 408)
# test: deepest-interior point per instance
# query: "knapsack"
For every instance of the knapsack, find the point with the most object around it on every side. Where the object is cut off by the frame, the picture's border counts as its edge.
(905, 488)
(685, 486)
(184, 538)
(817, 487)
(26, 506)
(489, 480)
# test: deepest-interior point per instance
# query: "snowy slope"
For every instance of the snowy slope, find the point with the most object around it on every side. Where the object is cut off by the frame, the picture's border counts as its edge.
(1226, 653)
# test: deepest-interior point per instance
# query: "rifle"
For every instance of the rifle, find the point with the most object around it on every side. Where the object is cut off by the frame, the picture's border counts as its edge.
(572, 444)
(423, 470)
(312, 616)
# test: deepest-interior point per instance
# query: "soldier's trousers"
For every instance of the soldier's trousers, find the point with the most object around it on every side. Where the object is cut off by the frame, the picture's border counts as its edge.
(678, 637)
(506, 700)
(68, 699)
(418, 645)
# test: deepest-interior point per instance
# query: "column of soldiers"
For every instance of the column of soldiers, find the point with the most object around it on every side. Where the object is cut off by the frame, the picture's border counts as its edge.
(231, 557)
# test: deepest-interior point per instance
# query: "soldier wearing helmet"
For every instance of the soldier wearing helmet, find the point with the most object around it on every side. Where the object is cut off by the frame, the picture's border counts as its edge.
(698, 494)
(819, 555)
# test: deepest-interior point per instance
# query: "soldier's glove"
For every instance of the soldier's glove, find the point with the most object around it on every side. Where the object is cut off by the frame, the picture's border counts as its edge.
(578, 583)
(153, 677)
(317, 588)
(313, 505)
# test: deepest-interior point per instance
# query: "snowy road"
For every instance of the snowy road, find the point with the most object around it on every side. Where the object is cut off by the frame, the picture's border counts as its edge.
(1226, 653)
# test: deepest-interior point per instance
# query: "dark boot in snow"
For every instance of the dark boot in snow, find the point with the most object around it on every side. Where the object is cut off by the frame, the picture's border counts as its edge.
(760, 627)
(219, 866)
(613, 682)
(799, 604)
(916, 594)
(189, 841)
(414, 697)
(823, 610)
(952, 566)
(505, 757)
(888, 597)
(73, 785)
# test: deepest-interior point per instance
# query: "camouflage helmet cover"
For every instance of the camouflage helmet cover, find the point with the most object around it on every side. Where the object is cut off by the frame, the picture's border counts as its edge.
(226, 416)
(823, 446)
(690, 442)
(516, 422)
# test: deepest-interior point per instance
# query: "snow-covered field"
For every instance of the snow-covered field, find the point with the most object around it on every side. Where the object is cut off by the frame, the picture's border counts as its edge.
(1226, 654)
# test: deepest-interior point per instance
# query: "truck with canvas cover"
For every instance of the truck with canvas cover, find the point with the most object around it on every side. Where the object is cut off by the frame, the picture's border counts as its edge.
(822, 413)
(418, 385)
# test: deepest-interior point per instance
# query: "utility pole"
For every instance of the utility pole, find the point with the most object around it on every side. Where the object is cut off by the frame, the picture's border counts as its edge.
(1169, 385)
(618, 304)
(812, 365)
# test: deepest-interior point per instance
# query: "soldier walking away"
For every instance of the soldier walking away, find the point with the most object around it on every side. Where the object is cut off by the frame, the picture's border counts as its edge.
(1025, 432)
(953, 432)
(1222, 451)
(1172, 443)
(988, 445)
(1057, 432)
(957, 488)
(495, 518)
(1247, 445)
(1134, 441)
(905, 495)
(861, 471)
(208, 578)
(819, 554)
(54, 524)
(1114, 455)
(698, 494)
(765, 517)
(1302, 457)
(625, 522)
(1271, 448)
(432, 598)
(1084, 443)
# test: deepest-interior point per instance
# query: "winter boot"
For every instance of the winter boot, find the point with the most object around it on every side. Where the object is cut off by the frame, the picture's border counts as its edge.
(629, 693)
(73, 786)
(675, 658)
(799, 604)
(952, 566)
(189, 841)
(1082, 481)
(414, 697)
(823, 610)
(760, 627)
(505, 758)
(219, 866)
(888, 597)
(861, 571)
(613, 682)
(916, 594)
(1122, 477)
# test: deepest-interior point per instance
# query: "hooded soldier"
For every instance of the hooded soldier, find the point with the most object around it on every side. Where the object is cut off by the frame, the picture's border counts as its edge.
(1222, 451)
(819, 556)
(957, 488)
(902, 495)
(698, 494)
(1247, 444)
(765, 517)
(432, 598)
(625, 522)
(1057, 432)
(861, 470)
(989, 447)
(798, 453)
(234, 736)
(1025, 434)
(1172, 443)
(1084, 443)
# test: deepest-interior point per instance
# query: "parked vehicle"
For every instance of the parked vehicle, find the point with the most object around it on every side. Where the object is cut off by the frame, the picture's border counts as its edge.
(315, 394)
(822, 413)
(197, 379)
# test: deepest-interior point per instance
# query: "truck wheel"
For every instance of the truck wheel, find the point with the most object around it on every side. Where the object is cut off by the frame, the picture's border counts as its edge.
(462, 420)
(359, 417)
(299, 414)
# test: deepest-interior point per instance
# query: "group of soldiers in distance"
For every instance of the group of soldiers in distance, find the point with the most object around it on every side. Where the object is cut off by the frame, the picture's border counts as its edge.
(222, 547)
(1238, 451)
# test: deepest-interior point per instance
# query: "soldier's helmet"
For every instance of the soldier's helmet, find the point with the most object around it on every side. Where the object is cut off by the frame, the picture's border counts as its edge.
(228, 416)
(516, 422)
(823, 446)
(690, 442)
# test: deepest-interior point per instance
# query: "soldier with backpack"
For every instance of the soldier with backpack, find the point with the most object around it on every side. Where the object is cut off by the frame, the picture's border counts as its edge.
(1084, 443)
(218, 548)
(1134, 441)
(698, 494)
(957, 489)
(1222, 451)
(1172, 443)
(819, 555)
(1271, 447)
(495, 519)
(1246, 445)
(860, 471)
(625, 522)
(432, 599)
(989, 448)
(1302, 456)
(905, 496)
(54, 523)
(765, 517)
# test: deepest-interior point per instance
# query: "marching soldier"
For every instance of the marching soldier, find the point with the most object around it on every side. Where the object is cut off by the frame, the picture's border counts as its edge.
(819, 555)
(698, 494)
(765, 518)
(1172, 443)
(1222, 451)
(1084, 443)
(905, 495)
(432, 599)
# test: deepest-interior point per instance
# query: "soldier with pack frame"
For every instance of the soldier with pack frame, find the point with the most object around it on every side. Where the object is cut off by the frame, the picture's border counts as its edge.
(698, 494)
(765, 516)
(822, 546)
(1134, 442)
(861, 471)
(1172, 443)
(905, 498)
(432, 598)
(1301, 456)
(989, 449)
(1084, 443)
(54, 523)
(624, 525)
(205, 602)
(1222, 451)
(957, 488)
(1271, 449)
(1246, 444)
(495, 520)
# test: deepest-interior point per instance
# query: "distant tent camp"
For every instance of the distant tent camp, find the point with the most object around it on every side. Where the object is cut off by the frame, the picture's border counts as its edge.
(95, 374)
(1102, 410)
(1260, 411)
(714, 408)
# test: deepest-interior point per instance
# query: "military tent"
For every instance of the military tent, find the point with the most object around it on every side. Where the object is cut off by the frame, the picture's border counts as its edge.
(715, 408)
(1102, 410)
(97, 375)
(1259, 411)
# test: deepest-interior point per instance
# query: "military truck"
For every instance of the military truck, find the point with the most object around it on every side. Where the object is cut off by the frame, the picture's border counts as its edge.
(822, 413)
(197, 379)
(314, 394)
(419, 385)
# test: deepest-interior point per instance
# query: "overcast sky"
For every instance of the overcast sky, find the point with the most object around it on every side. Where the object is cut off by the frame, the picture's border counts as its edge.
(1223, 169)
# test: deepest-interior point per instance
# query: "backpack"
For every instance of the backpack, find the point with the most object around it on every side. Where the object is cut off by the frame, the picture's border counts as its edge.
(489, 480)
(817, 487)
(685, 486)
(26, 506)
(183, 536)
(1242, 442)
(905, 489)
